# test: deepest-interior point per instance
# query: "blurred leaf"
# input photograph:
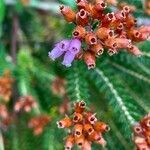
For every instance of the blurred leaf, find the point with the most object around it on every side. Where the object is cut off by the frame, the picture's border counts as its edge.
(68, 2)
(2, 10)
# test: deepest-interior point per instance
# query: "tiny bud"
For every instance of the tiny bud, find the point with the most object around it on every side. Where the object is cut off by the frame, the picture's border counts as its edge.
(64, 123)
(79, 106)
(101, 127)
(82, 4)
(109, 18)
(126, 9)
(103, 33)
(130, 21)
(68, 13)
(77, 117)
(90, 38)
(82, 17)
(101, 141)
(80, 141)
(69, 142)
(89, 59)
(94, 136)
(100, 5)
(111, 43)
(112, 52)
(97, 49)
(91, 118)
(78, 130)
(86, 145)
(79, 32)
(123, 43)
(88, 128)
(134, 50)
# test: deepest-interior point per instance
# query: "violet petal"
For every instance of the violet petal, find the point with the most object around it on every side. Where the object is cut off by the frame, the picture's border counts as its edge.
(75, 46)
(55, 53)
(68, 59)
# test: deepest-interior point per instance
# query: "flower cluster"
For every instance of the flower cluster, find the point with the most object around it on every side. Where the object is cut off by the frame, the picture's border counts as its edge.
(97, 30)
(5, 118)
(58, 86)
(6, 82)
(38, 123)
(25, 103)
(84, 128)
(147, 7)
(142, 134)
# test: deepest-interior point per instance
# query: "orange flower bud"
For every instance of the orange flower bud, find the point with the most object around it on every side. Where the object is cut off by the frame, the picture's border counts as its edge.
(101, 141)
(88, 128)
(123, 43)
(82, 17)
(38, 130)
(141, 143)
(79, 32)
(109, 17)
(138, 130)
(86, 145)
(77, 117)
(95, 14)
(69, 142)
(100, 5)
(68, 13)
(101, 127)
(134, 50)
(111, 43)
(130, 21)
(90, 38)
(18, 106)
(79, 106)
(126, 9)
(83, 4)
(103, 33)
(144, 29)
(97, 49)
(78, 128)
(91, 118)
(64, 123)
(120, 16)
(3, 111)
(94, 136)
(80, 140)
(89, 59)
(145, 122)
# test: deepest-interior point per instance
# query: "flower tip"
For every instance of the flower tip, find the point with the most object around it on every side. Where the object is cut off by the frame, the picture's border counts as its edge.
(59, 124)
(91, 66)
(66, 64)
(51, 56)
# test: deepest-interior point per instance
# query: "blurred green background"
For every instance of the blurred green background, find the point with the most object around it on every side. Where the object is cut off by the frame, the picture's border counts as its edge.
(28, 30)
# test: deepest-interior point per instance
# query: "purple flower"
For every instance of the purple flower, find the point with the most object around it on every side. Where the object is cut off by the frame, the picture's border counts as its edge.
(59, 49)
(68, 59)
(75, 46)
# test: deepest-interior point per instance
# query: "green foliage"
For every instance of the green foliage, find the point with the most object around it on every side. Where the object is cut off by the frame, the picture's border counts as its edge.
(118, 88)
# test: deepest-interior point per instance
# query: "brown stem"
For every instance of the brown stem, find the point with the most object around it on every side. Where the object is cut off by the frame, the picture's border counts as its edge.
(14, 38)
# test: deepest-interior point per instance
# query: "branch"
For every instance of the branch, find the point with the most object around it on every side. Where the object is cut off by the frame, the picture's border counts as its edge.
(117, 97)
(132, 73)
